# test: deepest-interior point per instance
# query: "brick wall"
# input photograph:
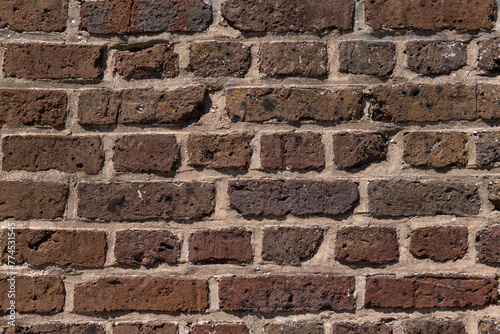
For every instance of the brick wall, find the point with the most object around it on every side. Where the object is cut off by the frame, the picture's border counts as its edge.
(250, 166)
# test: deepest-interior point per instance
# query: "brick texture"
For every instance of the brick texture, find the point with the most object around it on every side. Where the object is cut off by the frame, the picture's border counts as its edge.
(89, 328)
(488, 55)
(220, 329)
(487, 148)
(436, 57)
(489, 326)
(291, 245)
(488, 245)
(25, 15)
(358, 149)
(365, 328)
(214, 59)
(145, 328)
(372, 58)
(294, 328)
(433, 326)
(439, 243)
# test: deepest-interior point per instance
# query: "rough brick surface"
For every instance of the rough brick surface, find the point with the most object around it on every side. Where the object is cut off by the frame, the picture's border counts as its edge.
(157, 62)
(367, 245)
(487, 148)
(298, 198)
(152, 293)
(439, 243)
(281, 293)
(434, 327)
(294, 328)
(214, 59)
(291, 245)
(436, 57)
(89, 328)
(364, 328)
(357, 149)
(489, 326)
(145, 328)
(220, 329)
(292, 151)
(221, 246)
(488, 59)
(372, 58)
(41, 15)
(488, 245)
(494, 195)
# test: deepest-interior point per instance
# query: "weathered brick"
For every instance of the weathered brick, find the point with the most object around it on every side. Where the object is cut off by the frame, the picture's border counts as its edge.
(294, 197)
(367, 245)
(372, 58)
(294, 104)
(355, 149)
(435, 327)
(487, 148)
(435, 149)
(53, 61)
(156, 62)
(220, 329)
(221, 246)
(427, 198)
(145, 201)
(32, 200)
(146, 154)
(281, 293)
(39, 153)
(79, 248)
(487, 102)
(488, 59)
(88, 328)
(145, 328)
(364, 328)
(41, 15)
(430, 291)
(286, 59)
(220, 151)
(430, 57)
(147, 248)
(433, 15)
(488, 245)
(292, 151)
(216, 59)
(289, 15)
(294, 328)
(494, 195)
(151, 293)
(439, 243)
(424, 103)
(489, 326)
(145, 16)
(291, 245)
(34, 294)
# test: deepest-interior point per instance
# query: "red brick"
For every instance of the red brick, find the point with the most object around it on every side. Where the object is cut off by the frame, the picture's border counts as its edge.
(487, 148)
(216, 59)
(371, 58)
(430, 291)
(431, 57)
(151, 293)
(157, 62)
(364, 328)
(488, 60)
(489, 326)
(355, 149)
(220, 329)
(487, 102)
(145, 328)
(439, 243)
(281, 293)
(27, 15)
(294, 328)
(488, 245)
(89, 328)
(434, 327)
(53, 61)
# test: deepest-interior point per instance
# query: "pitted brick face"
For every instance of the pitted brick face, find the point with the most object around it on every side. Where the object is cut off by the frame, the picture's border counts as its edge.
(145, 328)
(40, 15)
(433, 326)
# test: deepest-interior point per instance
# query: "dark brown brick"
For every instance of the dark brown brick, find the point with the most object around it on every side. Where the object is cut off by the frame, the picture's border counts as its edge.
(488, 59)
(355, 149)
(435, 327)
(299, 198)
(291, 245)
(220, 151)
(145, 201)
(66, 154)
(151, 293)
(294, 104)
(156, 62)
(439, 243)
(494, 195)
(364, 328)
(147, 248)
(367, 245)
(145, 328)
(53, 61)
(430, 291)
(281, 293)
(294, 328)
(98, 108)
(220, 329)
(89, 328)
(489, 326)
(487, 148)
(304, 59)
(372, 58)
(488, 245)
(487, 102)
(433, 57)
(216, 59)
(41, 15)
(146, 154)
(85, 249)
(292, 151)
(32, 200)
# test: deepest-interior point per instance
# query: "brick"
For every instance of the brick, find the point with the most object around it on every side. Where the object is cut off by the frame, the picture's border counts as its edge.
(156, 62)
(372, 58)
(145, 201)
(427, 198)
(294, 104)
(432, 15)
(33, 107)
(487, 148)
(86, 249)
(494, 195)
(289, 15)
(151, 293)
(424, 103)
(146, 154)
(26, 15)
(217, 59)
(304, 59)
(98, 108)
(489, 326)
(299, 198)
(146, 248)
(435, 327)
(233, 151)
(145, 16)
(66, 154)
(53, 61)
(281, 293)
(232, 246)
(34, 294)
(440, 57)
(145, 328)
(488, 245)
(88, 328)
(488, 52)
(487, 102)
(435, 149)
(294, 328)
(439, 243)
(32, 200)
(430, 291)
(220, 329)
(364, 328)
(369, 245)
(292, 151)
(291, 245)
(355, 149)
